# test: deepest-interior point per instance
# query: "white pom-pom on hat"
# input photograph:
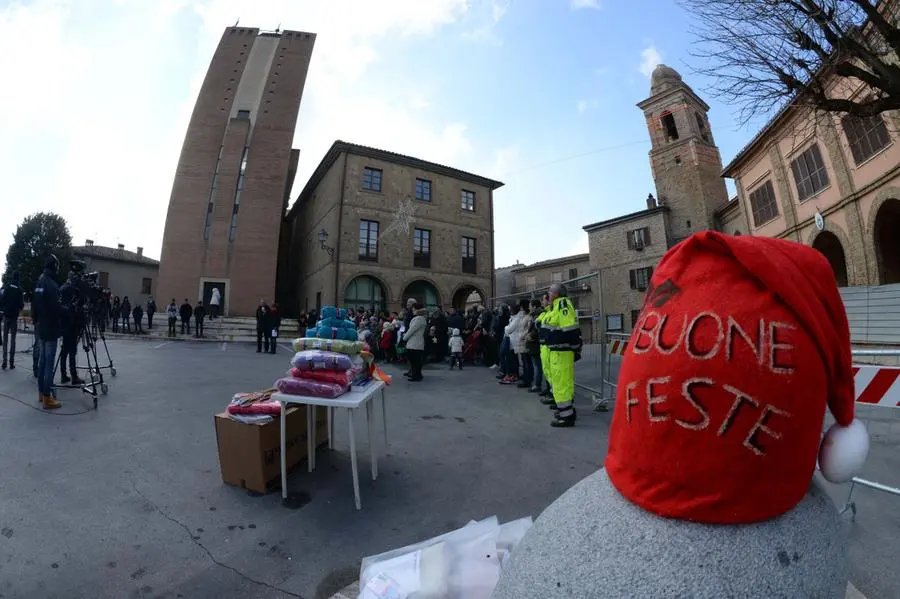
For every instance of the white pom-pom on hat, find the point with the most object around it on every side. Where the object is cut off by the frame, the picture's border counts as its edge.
(843, 451)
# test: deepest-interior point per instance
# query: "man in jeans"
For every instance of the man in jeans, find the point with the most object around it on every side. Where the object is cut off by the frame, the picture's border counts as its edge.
(11, 303)
(45, 305)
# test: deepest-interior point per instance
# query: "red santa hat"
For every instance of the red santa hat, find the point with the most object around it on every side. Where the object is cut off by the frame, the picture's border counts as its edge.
(741, 344)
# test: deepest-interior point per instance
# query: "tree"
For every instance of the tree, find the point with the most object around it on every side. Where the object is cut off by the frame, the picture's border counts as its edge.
(762, 54)
(35, 239)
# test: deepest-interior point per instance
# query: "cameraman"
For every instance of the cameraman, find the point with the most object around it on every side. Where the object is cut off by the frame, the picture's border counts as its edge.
(72, 322)
(45, 306)
(11, 303)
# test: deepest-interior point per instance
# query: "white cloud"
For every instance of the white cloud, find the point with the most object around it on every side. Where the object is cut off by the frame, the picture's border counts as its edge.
(419, 102)
(94, 117)
(579, 4)
(486, 32)
(650, 58)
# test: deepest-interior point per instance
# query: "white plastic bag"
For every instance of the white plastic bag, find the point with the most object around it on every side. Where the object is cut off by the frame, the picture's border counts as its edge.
(462, 564)
(397, 575)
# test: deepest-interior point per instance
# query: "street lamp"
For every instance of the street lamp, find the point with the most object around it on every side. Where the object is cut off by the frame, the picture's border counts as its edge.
(323, 237)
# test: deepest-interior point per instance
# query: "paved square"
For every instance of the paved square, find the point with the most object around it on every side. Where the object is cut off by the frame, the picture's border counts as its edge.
(128, 501)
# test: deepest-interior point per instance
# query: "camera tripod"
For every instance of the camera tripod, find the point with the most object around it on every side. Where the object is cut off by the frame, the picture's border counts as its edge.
(98, 332)
(94, 379)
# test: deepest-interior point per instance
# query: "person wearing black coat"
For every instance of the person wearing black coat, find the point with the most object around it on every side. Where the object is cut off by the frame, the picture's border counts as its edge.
(46, 307)
(11, 303)
(275, 314)
(186, 311)
(263, 326)
(199, 316)
(71, 323)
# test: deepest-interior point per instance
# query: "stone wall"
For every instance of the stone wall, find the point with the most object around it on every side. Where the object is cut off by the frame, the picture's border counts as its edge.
(610, 254)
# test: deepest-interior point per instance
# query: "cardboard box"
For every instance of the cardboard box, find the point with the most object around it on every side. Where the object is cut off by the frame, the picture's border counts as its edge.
(250, 454)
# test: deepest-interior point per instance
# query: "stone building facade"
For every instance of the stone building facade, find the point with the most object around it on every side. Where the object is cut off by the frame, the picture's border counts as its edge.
(690, 196)
(505, 281)
(574, 272)
(372, 228)
(828, 181)
(236, 170)
(124, 272)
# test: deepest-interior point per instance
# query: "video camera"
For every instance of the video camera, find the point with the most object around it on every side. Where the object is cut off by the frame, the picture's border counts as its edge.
(90, 293)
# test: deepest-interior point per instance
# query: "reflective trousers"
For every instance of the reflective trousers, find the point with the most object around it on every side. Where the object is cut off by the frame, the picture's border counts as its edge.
(562, 368)
(545, 363)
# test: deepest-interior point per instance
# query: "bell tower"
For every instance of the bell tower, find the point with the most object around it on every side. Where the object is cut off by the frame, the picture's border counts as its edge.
(684, 159)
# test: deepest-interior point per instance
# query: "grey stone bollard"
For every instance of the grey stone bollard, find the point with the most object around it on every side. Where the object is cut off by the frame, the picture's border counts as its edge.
(592, 543)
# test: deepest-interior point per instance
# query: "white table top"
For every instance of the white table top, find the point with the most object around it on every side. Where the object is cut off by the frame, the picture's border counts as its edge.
(353, 399)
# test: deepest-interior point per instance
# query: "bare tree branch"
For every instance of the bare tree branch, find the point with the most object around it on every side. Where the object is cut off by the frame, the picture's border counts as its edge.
(764, 54)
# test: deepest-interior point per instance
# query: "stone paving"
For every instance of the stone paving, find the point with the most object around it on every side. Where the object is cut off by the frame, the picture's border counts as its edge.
(128, 501)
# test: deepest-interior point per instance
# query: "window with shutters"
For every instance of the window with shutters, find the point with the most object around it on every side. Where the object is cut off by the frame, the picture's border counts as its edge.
(573, 273)
(638, 239)
(368, 240)
(810, 175)
(556, 277)
(640, 277)
(467, 249)
(422, 248)
(866, 136)
(371, 179)
(423, 190)
(467, 200)
(763, 204)
(530, 283)
(635, 316)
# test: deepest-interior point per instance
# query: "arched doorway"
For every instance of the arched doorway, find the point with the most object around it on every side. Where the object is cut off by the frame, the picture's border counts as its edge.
(467, 296)
(424, 293)
(367, 292)
(887, 242)
(830, 246)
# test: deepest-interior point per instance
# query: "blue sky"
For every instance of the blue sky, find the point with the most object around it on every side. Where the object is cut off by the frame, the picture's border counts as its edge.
(538, 93)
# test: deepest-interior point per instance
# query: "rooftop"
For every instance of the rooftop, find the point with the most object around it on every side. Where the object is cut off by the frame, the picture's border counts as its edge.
(553, 262)
(115, 254)
(339, 147)
(625, 218)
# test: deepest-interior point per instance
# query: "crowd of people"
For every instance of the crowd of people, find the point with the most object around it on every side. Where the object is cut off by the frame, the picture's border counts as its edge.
(533, 344)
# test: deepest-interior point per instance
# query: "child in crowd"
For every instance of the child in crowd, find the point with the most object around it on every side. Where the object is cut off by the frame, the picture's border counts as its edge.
(386, 343)
(456, 348)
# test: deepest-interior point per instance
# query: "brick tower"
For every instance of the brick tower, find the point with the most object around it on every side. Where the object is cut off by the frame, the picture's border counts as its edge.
(684, 159)
(236, 171)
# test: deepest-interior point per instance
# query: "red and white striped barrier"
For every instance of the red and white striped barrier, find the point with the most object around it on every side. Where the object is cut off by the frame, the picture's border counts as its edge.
(617, 347)
(877, 385)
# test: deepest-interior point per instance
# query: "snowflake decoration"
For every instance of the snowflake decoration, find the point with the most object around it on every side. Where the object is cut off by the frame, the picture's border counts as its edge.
(404, 217)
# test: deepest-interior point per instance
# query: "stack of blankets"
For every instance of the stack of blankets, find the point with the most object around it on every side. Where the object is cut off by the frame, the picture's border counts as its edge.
(254, 408)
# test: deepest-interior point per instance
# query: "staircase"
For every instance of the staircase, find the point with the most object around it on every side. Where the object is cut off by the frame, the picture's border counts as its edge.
(231, 329)
(243, 329)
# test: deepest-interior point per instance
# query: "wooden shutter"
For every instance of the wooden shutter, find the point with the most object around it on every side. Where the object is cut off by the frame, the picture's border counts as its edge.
(646, 235)
(633, 279)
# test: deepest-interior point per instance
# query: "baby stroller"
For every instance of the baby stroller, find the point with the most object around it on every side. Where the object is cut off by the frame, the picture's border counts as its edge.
(470, 348)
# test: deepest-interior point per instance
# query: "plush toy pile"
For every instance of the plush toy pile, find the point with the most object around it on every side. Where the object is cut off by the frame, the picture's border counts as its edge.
(334, 324)
(327, 362)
